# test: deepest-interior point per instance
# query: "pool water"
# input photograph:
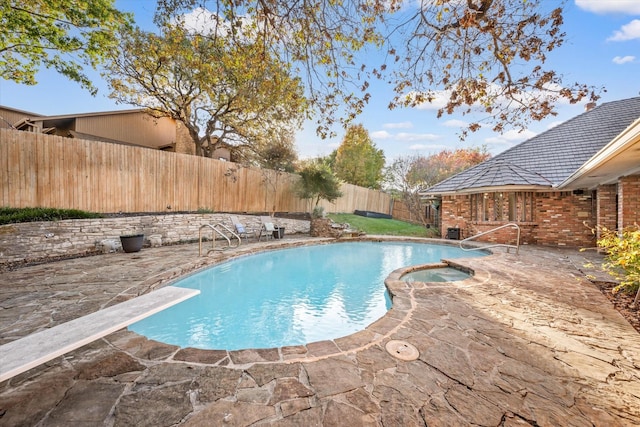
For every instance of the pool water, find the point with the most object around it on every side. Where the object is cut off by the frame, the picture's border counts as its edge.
(440, 274)
(288, 297)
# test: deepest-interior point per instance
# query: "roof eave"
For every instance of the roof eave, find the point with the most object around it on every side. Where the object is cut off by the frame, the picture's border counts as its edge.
(626, 139)
(492, 189)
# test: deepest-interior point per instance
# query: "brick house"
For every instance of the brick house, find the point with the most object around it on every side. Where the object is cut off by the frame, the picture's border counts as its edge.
(128, 127)
(556, 186)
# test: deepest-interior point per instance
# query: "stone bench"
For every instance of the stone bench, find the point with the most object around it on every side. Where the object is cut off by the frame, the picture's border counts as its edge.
(26, 353)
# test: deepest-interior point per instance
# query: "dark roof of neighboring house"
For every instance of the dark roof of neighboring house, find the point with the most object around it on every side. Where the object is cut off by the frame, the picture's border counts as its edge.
(551, 157)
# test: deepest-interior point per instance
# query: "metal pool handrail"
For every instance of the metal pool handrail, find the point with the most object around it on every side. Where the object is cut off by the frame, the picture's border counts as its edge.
(511, 224)
(215, 230)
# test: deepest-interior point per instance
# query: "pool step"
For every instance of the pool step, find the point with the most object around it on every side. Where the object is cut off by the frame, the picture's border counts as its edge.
(26, 353)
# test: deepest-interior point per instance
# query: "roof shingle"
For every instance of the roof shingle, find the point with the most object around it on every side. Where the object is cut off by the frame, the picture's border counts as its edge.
(549, 158)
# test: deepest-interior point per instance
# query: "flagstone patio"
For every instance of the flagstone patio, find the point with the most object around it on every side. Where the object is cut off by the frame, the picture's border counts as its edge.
(527, 341)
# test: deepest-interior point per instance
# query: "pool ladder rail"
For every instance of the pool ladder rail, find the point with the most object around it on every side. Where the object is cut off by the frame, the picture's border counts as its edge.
(217, 229)
(494, 245)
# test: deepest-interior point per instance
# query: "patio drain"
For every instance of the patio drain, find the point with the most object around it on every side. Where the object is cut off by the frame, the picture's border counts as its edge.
(402, 350)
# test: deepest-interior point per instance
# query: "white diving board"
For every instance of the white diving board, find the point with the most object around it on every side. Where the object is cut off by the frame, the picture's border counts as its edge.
(26, 353)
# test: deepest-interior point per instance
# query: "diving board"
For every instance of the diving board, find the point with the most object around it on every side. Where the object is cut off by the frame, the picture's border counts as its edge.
(26, 353)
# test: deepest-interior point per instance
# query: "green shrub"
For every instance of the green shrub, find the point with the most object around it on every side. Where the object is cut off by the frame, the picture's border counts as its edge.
(15, 215)
(623, 256)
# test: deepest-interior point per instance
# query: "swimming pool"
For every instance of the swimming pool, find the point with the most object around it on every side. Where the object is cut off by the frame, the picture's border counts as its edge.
(440, 274)
(288, 297)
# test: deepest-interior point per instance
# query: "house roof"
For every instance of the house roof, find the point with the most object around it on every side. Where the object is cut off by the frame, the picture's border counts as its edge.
(37, 116)
(548, 160)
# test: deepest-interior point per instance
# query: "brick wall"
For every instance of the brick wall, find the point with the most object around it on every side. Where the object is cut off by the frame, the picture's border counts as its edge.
(455, 212)
(41, 240)
(628, 201)
(606, 212)
(506, 235)
(559, 220)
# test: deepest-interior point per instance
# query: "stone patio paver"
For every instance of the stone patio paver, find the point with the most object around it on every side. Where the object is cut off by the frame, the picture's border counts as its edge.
(526, 341)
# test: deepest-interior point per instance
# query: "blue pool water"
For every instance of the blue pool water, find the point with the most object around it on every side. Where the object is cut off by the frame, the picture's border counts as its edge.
(288, 297)
(442, 274)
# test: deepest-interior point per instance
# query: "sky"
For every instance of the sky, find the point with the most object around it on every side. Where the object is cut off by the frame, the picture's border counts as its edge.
(602, 50)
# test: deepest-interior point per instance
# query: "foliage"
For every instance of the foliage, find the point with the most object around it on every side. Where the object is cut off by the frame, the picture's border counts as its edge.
(317, 182)
(382, 226)
(398, 180)
(318, 212)
(231, 95)
(484, 55)
(622, 256)
(277, 153)
(59, 34)
(428, 171)
(15, 215)
(409, 175)
(357, 160)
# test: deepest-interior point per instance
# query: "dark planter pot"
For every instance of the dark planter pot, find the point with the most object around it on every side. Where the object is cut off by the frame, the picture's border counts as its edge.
(278, 233)
(132, 243)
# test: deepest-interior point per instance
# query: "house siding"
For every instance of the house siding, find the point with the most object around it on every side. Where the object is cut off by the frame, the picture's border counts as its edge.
(136, 128)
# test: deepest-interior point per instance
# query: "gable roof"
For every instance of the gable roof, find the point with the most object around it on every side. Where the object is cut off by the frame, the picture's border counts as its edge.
(550, 158)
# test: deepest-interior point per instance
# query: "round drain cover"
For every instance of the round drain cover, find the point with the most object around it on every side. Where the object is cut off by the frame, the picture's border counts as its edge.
(402, 350)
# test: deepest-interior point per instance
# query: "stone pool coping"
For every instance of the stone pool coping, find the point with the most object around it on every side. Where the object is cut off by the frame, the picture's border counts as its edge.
(403, 305)
(532, 342)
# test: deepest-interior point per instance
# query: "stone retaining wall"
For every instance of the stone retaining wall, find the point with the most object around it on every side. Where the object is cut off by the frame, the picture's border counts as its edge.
(33, 241)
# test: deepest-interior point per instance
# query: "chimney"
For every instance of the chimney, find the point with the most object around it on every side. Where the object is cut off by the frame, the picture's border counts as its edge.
(590, 106)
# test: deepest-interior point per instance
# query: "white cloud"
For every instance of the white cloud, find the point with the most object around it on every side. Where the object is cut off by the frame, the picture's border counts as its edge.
(623, 59)
(400, 125)
(629, 31)
(431, 148)
(381, 134)
(438, 100)
(412, 137)
(455, 123)
(202, 21)
(630, 7)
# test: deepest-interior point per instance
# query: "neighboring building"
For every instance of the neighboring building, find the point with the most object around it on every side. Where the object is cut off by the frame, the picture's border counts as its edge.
(129, 127)
(556, 186)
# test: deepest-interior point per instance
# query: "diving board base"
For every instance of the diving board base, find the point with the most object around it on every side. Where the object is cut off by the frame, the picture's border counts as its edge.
(26, 353)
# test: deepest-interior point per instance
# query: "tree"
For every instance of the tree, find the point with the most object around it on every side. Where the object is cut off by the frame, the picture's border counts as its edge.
(428, 171)
(61, 34)
(410, 175)
(317, 182)
(399, 182)
(479, 55)
(277, 153)
(357, 160)
(484, 56)
(226, 94)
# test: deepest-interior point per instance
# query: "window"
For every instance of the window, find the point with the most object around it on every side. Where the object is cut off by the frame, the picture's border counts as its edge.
(516, 206)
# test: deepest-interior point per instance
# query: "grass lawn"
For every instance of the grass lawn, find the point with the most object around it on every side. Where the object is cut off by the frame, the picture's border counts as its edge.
(390, 227)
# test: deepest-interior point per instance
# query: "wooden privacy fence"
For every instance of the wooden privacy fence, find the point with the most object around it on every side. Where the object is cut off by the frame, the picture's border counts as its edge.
(38, 170)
